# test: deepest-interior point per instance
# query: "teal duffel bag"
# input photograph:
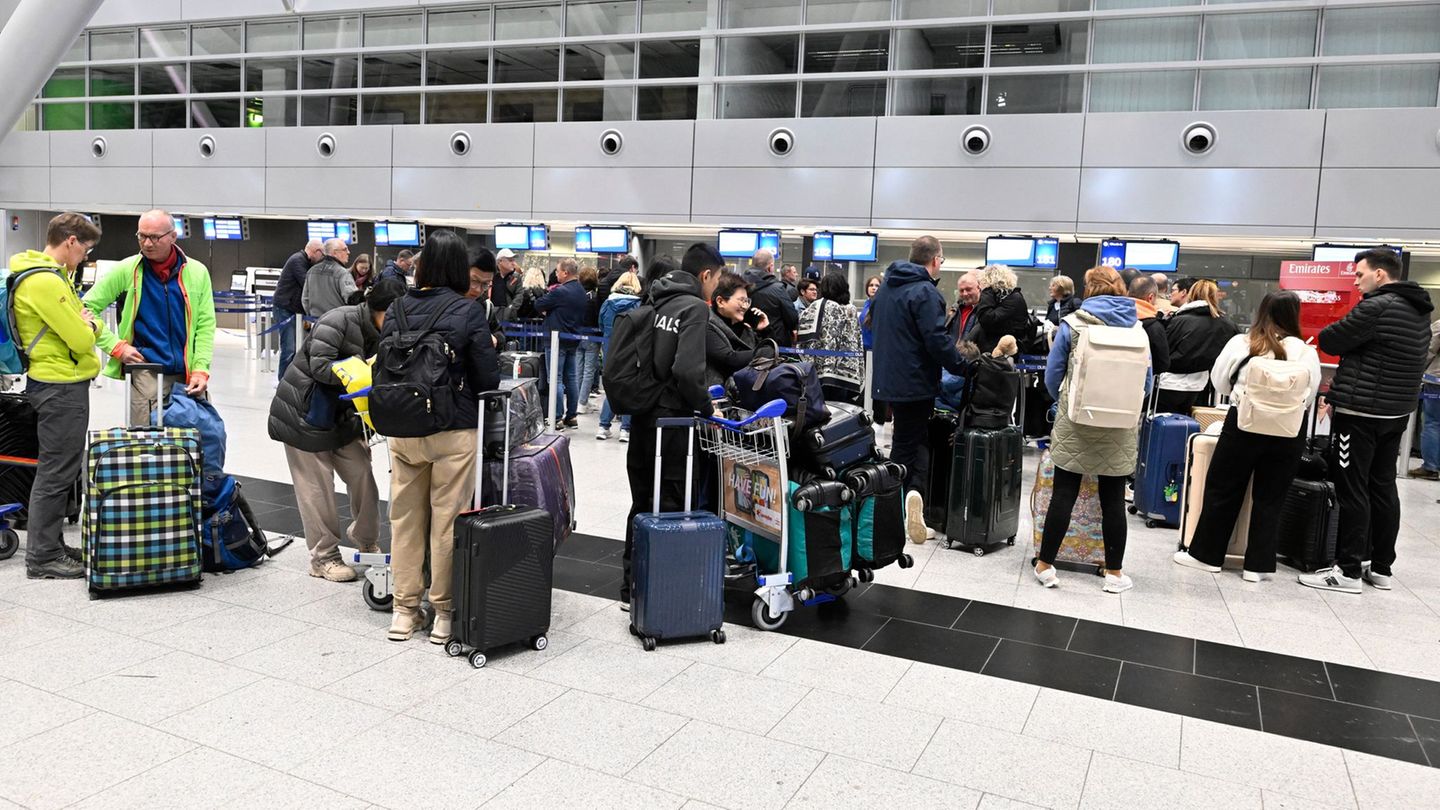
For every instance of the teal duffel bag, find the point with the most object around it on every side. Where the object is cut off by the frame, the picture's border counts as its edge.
(819, 545)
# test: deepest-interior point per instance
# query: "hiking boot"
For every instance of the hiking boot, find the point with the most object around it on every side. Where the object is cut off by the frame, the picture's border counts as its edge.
(404, 623)
(75, 554)
(440, 631)
(59, 568)
(333, 570)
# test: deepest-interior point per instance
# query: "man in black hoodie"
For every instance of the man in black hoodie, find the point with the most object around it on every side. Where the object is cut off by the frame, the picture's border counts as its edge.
(773, 298)
(1383, 345)
(681, 319)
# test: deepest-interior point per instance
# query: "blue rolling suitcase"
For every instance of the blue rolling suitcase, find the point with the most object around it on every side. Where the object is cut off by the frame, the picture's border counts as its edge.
(1160, 475)
(678, 587)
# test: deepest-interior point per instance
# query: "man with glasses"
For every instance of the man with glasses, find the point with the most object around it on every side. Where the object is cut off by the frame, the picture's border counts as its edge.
(58, 336)
(329, 284)
(168, 316)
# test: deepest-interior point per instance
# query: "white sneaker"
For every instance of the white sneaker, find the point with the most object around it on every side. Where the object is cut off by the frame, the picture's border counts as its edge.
(1120, 584)
(1253, 576)
(1330, 579)
(1048, 577)
(602, 434)
(1380, 581)
(915, 517)
(582, 408)
(624, 436)
(1182, 557)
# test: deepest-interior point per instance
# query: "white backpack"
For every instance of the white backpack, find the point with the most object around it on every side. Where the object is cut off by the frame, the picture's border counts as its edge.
(1274, 400)
(1107, 381)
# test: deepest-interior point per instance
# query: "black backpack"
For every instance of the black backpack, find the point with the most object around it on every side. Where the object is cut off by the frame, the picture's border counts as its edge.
(992, 388)
(415, 389)
(631, 383)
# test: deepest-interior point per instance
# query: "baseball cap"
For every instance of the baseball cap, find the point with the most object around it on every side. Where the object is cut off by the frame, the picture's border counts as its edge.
(505, 253)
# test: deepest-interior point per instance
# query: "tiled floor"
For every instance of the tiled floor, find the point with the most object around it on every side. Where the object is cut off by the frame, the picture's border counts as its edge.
(269, 688)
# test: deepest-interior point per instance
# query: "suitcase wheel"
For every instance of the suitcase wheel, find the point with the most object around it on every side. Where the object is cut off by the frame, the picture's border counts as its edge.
(477, 659)
(1131, 509)
(647, 643)
(9, 543)
(374, 600)
(906, 561)
(978, 551)
(717, 636)
(1010, 541)
(633, 631)
(1150, 523)
(763, 619)
(539, 642)
(454, 648)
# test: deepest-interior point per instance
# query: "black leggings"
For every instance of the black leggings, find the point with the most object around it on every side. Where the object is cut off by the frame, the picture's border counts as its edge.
(1112, 520)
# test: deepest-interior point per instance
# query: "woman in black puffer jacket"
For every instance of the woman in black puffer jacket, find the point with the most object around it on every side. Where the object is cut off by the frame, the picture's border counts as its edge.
(1197, 333)
(1002, 310)
(323, 436)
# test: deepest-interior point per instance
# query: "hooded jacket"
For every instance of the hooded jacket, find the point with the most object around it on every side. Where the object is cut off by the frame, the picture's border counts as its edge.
(728, 348)
(124, 279)
(681, 320)
(1196, 339)
(907, 321)
(1383, 345)
(329, 285)
(46, 301)
(1155, 330)
(772, 297)
(348, 331)
(1000, 313)
(614, 305)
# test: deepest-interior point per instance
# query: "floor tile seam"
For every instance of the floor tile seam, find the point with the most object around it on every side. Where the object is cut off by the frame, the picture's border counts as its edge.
(193, 747)
(689, 663)
(89, 710)
(543, 759)
(653, 751)
(319, 687)
(1410, 720)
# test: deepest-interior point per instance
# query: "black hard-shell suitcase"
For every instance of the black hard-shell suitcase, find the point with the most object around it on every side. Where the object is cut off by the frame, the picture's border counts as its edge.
(844, 440)
(19, 451)
(985, 484)
(878, 529)
(523, 421)
(503, 571)
(940, 440)
(523, 364)
(1309, 524)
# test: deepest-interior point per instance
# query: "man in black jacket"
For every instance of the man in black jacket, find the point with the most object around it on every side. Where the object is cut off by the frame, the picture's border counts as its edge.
(1147, 295)
(287, 297)
(1382, 344)
(772, 298)
(681, 319)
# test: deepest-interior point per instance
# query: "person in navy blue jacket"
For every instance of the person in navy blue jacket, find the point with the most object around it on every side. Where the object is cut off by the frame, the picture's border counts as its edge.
(907, 319)
(564, 308)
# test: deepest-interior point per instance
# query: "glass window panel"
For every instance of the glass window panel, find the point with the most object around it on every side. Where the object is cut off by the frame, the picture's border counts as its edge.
(458, 67)
(957, 95)
(671, 15)
(668, 103)
(77, 50)
(215, 77)
(158, 80)
(162, 115)
(1052, 93)
(65, 83)
(210, 40)
(272, 74)
(265, 37)
(470, 25)
(760, 13)
(528, 22)
(846, 51)
(456, 108)
(1260, 36)
(54, 117)
(1378, 85)
(334, 32)
(398, 108)
(112, 44)
(112, 115)
(1398, 29)
(767, 100)
(670, 59)
(846, 11)
(112, 81)
(939, 48)
(527, 65)
(744, 56)
(333, 111)
(392, 29)
(588, 18)
(1142, 91)
(608, 104)
(1045, 43)
(1112, 5)
(929, 9)
(163, 42)
(327, 73)
(1257, 89)
(1167, 39)
(525, 106)
(839, 99)
(601, 60)
(224, 112)
(272, 111)
(1040, 6)
(392, 70)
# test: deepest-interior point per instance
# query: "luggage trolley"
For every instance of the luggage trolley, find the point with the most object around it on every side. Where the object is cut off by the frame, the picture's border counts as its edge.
(378, 590)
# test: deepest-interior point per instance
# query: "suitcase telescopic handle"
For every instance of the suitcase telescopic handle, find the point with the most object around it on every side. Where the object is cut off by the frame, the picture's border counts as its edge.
(675, 422)
(485, 397)
(158, 370)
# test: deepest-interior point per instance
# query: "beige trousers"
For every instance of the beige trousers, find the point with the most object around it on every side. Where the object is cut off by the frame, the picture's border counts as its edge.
(431, 480)
(314, 477)
(143, 395)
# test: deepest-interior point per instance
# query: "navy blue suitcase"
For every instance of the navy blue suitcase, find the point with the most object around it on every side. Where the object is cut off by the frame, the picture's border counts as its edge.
(845, 440)
(678, 564)
(1160, 475)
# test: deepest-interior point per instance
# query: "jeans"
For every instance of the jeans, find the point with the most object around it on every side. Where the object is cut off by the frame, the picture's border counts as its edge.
(62, 413)
(908, 443)
(1430, 433)
(607, 417)
(1062, 505)
(1362, 458)
(570, 379)
(287, 340)
(589, 368)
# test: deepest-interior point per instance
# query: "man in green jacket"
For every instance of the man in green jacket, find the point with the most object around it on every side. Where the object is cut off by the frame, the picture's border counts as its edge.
(58, 335)
(168, 316)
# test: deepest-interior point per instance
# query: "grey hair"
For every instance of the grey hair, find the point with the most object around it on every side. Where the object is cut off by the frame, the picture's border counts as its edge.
(998, 277)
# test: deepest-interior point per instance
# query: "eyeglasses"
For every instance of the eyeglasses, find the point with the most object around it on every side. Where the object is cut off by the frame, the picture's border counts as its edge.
(152, 237)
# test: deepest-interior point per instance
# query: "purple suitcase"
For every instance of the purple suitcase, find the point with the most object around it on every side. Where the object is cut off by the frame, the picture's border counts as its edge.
(541, 476)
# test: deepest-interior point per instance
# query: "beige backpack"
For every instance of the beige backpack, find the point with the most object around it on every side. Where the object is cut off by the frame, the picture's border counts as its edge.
(1107, 380)
(1274, 399)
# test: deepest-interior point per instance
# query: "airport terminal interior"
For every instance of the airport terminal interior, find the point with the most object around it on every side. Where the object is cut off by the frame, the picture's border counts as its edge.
(1259, 145)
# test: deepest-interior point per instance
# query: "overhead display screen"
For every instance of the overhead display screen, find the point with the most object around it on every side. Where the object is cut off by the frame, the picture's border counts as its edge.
(1152, 257)
(582, 239)
(1010, 251)
(824, 246)
(539, 237)
(223, 228)
(609, 240)
(514, 237)
(323, 229)
(770, 240)
(1047, 253)
(1346, 253)
(854, 247)
(1112, 254)
(738, 244)
(406, 234)
(182, 228)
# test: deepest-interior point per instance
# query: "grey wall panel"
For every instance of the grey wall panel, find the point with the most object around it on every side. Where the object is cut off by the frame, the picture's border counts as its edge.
(653, 194)
(312, 191)
(222, 190)
(1266, 138)
(838, 142)
(24, 186)
(355, 147)
(233, 148)
(1041, 199)
(644, 144)
(1195, 200)
(122, 188)
(1396, 138)
(490, 193)
(132, 12)
(1378, 202)
(1026, 140)
(25, 149)
(751, 196)
(490, 145)
(122, 148)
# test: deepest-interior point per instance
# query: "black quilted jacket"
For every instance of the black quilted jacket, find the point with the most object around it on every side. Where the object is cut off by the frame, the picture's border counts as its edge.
(344, 332)
(1382, 345)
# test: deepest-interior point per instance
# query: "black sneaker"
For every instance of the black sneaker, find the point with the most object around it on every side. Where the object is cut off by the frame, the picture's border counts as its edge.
(570, 424)
(75, 554)
(60, 568)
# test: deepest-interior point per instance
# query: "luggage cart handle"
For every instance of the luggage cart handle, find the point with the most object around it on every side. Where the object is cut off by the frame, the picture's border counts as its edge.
(485, 397)
(770, 410)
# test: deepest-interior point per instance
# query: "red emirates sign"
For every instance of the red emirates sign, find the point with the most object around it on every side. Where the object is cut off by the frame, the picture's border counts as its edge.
(1317, 276)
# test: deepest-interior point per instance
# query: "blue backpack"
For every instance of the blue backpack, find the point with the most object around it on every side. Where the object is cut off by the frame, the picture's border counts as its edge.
(183, 411)
(230, 539)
